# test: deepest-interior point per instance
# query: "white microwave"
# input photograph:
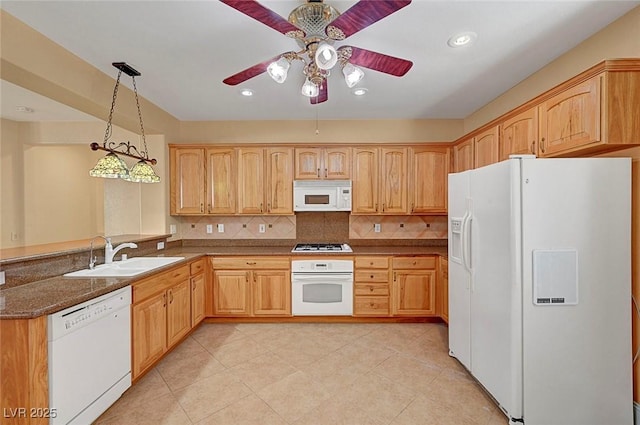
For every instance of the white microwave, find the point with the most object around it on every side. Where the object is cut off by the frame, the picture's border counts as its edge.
(322, 195)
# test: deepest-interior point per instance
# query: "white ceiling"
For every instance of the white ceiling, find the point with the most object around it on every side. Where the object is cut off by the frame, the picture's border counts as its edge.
(184, 49)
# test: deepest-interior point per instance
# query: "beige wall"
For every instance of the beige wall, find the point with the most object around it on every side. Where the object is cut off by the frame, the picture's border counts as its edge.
(621, 39)
(11, 186)
(350, 131)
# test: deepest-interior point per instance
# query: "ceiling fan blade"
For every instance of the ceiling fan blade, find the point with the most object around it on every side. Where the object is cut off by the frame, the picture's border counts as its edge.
(267, 16)
(376, 61)
(249, 73)
(322, 96)
(361, 15)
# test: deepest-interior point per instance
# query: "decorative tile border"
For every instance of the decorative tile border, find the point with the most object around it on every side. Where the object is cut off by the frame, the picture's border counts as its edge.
(397, 227)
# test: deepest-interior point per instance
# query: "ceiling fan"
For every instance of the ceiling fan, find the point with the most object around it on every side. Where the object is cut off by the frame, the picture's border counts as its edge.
(316, 26)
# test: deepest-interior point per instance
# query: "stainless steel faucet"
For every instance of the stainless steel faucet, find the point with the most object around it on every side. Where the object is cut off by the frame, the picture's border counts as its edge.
(109, 251)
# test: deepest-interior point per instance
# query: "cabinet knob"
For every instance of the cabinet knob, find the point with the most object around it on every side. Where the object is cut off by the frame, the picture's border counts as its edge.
(326, 174)
(371, 288)
(201, 208)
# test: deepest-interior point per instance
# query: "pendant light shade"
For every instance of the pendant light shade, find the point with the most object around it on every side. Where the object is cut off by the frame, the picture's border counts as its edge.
(142, 172)
(110, 166)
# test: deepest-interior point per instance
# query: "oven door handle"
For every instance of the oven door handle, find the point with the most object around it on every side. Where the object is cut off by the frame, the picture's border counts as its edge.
(317, 277)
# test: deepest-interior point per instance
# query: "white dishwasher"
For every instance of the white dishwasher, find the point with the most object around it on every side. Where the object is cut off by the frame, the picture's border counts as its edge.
(89, 357)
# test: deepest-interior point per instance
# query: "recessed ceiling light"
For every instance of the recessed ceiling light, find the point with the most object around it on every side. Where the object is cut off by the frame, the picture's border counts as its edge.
(359, 91)
(462, 39)
(25, 109)
(246, 92)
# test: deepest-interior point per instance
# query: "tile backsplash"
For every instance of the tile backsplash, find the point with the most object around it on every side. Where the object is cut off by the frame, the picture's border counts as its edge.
(315, 227)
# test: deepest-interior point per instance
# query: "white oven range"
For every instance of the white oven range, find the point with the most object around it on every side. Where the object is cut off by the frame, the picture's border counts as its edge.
(322, 287)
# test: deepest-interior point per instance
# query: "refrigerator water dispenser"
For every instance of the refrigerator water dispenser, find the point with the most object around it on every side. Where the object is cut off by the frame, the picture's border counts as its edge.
(555, 277)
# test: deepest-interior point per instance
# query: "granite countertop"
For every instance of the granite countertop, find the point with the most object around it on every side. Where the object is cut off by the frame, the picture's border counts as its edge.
(57, 293)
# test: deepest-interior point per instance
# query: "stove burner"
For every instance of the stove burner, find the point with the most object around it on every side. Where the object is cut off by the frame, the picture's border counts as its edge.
(321, 247)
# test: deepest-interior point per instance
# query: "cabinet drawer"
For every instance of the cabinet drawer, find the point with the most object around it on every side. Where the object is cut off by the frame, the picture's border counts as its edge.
(372, 262)
(152, 285)
(414, 262)
(371, 289)
(371, 306)
(230, 263)
(197, 267)
(372, 276)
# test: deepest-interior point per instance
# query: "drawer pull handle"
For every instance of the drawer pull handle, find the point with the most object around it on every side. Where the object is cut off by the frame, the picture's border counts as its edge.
(251, 263)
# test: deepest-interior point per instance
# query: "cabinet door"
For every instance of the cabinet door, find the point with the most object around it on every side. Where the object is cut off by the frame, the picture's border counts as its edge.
(485, 147)
(463, 156)
(428, 182)
(251, 181)
(365, 181)
(393, 181)
(178, 312)
(231, 296)
(308, 163)
(337, 163)
(279, 181)
(519, 135)
(414, 292)
(221, 181)
(186, 181)
(198, 297)
(271, 293)
(571, 119)
(149, 337)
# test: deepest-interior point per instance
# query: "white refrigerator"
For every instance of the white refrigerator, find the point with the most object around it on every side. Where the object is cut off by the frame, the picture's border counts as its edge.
(540, 287)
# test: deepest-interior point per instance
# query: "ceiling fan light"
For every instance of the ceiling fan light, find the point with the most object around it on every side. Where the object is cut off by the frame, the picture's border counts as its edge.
(326, 56)
(309, 89)
(352, 74)
(278, 70)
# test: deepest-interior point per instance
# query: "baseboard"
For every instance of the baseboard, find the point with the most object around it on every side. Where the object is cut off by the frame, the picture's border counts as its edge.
(636, 413)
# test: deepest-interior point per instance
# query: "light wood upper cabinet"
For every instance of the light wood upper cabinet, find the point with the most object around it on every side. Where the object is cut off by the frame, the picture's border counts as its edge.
(571, 119)
(380, 181)
(279, 180)
(428, 182)
(365, 181)
(187, 181)
(251, 182)
(485, 148)
(519, 135)
(323, 163)
(463, 156)
(265, 181)
(221, 181)
(393, 179)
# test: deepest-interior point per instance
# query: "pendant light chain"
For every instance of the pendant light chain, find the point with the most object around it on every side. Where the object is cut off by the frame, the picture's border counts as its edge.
(144, 140)
(107, 133)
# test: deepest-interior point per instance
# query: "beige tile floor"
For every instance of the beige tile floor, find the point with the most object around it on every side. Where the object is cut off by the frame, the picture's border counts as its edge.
(308, 374)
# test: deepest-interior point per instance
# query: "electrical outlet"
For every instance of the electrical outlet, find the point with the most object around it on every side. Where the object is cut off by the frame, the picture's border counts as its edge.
(1, 278)
(172, 229)
(14, 236)
(160, 245)
(262, 228)
(376, 227)
(220, 228)
(209, 228)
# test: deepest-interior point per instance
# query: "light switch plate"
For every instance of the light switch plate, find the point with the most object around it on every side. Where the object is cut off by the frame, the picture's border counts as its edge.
(262, 228)
(220, 228)
(376, 227)
(209, 228)
(172, 229)
(1, 278)
(160, 245)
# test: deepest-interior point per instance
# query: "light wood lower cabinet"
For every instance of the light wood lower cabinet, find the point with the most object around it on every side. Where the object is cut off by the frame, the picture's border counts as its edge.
(161, 314)
(371, 286)
(442, 291)
(414, 285)
(251, 286)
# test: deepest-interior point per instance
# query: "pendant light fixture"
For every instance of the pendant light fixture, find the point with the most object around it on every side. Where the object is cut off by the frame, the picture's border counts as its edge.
(112, 166)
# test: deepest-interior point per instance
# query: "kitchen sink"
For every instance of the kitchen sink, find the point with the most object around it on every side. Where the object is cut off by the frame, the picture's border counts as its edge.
(130, 267)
